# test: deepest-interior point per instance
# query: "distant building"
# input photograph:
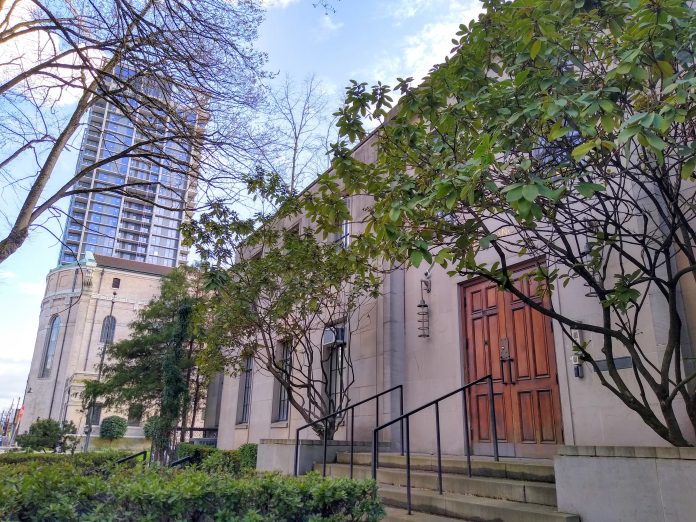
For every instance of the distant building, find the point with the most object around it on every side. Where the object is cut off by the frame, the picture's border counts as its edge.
(140, 223)
(86, 304)
(116, 247)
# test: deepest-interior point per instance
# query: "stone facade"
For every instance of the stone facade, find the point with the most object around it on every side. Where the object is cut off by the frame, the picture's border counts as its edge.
(387, 350)
(81, 295)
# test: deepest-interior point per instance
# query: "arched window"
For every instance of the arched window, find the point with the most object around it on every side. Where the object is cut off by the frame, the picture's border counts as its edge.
(108, 329)
(50, 350)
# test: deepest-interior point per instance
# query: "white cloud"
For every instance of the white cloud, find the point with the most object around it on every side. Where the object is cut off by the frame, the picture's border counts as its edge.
(6, 275)
(406, 8)
(277, 4)
(326, 27)
(430, 45)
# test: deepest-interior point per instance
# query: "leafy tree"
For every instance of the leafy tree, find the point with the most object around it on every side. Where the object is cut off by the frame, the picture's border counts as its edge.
(275, 307)
(155, 368)
(561, 132)
(113, 427)
(48, 434)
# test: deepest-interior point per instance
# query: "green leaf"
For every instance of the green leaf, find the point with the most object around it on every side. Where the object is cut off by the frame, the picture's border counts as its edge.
(416, 258)
(688, 168)
(588, 189)
(485, 242)
(581, 150)
(534, 50)
(530, 192)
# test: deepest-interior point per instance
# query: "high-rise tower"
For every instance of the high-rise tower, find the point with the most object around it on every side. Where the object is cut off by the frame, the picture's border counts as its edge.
(139, 222)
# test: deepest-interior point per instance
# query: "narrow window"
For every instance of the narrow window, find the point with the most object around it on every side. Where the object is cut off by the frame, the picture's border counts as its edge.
(282, 403)
(95, 414)
(334, 344)
(108, 329)
(135, 414)
(116, 282)
(50, 349)
(244, 406)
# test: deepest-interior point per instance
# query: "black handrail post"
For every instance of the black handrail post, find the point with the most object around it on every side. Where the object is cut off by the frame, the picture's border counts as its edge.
(401, 413)
(408, 467)
(352, 439)
(494, 426)
(467, 442)
(326, 430)
(297, 451)
(439, 452)
(375, 449)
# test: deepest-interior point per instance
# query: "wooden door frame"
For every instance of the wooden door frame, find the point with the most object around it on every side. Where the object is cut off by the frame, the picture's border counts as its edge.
(461, 307)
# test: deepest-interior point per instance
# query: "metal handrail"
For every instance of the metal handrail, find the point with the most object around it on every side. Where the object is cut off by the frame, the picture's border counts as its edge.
(352, 423)
(142, 454)
(436, 402)
(184, 460)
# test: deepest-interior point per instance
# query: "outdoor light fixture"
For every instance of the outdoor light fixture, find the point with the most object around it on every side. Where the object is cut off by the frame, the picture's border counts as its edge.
(423, 310)
(575, 359)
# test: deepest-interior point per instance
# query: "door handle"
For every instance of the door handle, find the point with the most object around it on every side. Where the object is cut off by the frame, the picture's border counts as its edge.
(502, 371)
(512, 379)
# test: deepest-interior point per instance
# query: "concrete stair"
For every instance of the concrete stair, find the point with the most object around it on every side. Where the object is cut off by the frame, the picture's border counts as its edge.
(506, 491)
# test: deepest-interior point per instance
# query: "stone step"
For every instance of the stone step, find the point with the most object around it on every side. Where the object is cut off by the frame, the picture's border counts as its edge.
(401, 515)
(501, 488)
(533, 470)
(469, 507)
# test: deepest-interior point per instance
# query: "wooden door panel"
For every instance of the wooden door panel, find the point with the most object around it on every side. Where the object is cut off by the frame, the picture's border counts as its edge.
(526, 394)
(521, 353)
(547, 421)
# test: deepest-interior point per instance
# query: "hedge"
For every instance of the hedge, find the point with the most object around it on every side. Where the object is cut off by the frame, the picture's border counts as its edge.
(89, 461)
(212, 459)
(59, 492)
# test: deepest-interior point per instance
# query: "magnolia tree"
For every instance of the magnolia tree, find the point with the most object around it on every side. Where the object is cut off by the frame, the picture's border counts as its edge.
(292, 307)
(561, 132)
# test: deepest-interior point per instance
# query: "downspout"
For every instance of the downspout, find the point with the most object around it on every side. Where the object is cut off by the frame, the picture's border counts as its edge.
(62, 346)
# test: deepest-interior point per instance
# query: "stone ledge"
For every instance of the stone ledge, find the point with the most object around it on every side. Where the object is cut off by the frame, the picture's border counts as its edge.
(638, 452)
(317, 442)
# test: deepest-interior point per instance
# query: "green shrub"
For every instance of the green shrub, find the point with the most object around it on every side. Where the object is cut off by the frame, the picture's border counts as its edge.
(113, 428)
(60, 491)
(90, 460)
(48, 434)
(197, 451)
(211, 459)
(247, 455)
(152, 427)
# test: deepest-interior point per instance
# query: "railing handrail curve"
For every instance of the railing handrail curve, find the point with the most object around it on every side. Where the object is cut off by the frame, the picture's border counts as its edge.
(427, 405)
(351, 408)
(404, 418)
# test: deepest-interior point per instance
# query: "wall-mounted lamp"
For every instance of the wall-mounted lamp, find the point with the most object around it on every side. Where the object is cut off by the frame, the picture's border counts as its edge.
(423, 310)
(576, 336)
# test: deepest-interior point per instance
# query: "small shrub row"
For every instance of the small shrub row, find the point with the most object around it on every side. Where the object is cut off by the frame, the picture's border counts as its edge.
(57, 492)
(212, 459)
(90, 461)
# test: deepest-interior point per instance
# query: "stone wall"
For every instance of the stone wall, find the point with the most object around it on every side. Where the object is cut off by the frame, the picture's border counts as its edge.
(621, 484)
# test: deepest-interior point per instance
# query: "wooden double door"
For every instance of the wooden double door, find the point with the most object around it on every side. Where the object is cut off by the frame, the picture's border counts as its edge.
(514, 343)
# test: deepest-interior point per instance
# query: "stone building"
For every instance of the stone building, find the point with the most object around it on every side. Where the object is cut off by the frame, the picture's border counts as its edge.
(86, 304)
(545, 399)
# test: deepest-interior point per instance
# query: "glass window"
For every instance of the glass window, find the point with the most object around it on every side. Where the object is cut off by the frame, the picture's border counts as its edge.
(244, 408)
(94, 415)
(135, 414)
(108, 329)
(285, 365)
(50, 350)
(334, 344)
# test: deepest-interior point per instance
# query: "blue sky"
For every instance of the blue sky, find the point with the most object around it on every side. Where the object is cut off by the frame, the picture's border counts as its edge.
(362, 40)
